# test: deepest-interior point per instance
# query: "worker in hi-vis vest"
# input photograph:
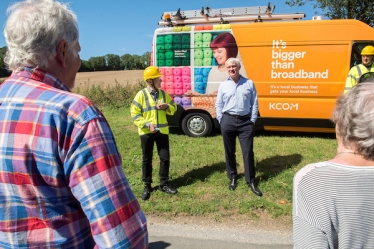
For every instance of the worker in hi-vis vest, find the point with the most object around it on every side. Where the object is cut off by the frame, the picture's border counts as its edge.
(148, 111)
(367, 65)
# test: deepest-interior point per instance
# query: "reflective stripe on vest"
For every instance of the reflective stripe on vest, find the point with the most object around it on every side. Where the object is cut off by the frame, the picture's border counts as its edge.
(148, 106)
(359, 71)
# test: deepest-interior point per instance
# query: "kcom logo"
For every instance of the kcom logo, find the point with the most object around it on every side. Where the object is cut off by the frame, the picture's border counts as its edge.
(284, 106)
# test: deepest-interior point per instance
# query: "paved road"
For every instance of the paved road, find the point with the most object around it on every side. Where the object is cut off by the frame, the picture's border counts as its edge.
(187, 243)
(184, 236)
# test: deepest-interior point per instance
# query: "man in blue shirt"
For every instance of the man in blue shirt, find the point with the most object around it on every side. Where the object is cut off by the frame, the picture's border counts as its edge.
(237, 108)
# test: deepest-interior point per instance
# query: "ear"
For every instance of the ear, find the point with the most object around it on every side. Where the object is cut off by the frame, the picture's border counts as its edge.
(61, 53)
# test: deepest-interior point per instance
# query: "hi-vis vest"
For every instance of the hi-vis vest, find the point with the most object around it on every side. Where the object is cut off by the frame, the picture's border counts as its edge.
(354, 74)
(143, 109)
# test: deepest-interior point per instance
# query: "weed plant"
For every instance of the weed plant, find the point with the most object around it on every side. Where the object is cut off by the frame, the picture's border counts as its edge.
(198, 165)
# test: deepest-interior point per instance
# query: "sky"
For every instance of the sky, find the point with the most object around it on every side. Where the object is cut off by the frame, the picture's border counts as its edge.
(122, 26)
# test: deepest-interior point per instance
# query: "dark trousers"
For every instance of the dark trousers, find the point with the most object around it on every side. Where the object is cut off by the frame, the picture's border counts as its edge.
(243, 128)
(162, 143)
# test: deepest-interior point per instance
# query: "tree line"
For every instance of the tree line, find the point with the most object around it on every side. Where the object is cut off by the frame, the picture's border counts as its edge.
(107, 62)
(116, 62)
(362, 10)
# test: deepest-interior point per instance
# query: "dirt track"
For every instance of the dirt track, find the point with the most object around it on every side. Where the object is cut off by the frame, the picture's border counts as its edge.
(109, 77)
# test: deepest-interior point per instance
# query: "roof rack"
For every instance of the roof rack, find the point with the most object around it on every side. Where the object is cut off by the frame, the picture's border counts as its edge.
(224, 15)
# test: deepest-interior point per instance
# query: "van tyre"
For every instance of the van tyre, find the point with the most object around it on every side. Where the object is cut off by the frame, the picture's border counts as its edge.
(197, 125)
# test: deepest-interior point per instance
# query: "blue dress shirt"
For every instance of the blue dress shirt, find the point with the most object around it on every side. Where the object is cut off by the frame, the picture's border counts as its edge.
(237, 99)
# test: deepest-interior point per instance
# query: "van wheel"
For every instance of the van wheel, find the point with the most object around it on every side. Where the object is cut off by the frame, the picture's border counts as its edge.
(197, 125)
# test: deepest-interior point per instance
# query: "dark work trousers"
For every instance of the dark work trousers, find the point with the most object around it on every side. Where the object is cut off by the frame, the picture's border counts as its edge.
(162, 143)
(243, 128)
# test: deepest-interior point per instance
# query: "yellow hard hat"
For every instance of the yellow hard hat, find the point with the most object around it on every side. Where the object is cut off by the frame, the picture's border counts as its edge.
(151, 72)
(368, 50)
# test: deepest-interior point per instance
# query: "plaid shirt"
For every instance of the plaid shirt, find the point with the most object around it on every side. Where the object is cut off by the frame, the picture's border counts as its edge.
(61, 178)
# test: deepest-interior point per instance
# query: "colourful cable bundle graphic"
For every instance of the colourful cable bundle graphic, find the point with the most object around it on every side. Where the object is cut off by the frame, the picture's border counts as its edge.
(201, 79)
(202, 52)
(173, 50)
(177, 65)
(176, 80)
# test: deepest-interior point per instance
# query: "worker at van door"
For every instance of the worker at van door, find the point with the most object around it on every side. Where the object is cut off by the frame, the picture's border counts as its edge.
(237, 108)
(148, 111)
(367, 65)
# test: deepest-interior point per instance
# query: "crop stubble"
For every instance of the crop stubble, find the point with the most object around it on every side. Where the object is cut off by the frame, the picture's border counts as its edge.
(109, 78)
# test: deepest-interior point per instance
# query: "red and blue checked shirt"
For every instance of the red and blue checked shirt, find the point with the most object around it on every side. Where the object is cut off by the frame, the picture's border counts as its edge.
(61, 178)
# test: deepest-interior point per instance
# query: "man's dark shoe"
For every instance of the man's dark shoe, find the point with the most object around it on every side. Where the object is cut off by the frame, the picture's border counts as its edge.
(255, 189)
(233, 184)
(167, 189)
(146, 192)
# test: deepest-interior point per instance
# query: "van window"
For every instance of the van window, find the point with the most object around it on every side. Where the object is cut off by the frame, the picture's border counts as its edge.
(356, 52)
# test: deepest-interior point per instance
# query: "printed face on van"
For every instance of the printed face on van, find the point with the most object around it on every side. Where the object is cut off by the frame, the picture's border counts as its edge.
(367, 60)
(220, 54)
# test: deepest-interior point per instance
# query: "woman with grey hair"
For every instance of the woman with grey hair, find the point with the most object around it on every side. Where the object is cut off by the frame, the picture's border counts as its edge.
(333, 201)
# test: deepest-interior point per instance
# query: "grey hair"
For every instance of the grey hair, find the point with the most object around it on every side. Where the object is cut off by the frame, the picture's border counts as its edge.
(233, 60)
(354, 119)
(34, 29)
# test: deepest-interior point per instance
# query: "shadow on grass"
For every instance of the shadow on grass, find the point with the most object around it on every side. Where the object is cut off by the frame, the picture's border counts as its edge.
(217, 132)
(294, 134)
(199, 174)
(267, 168)
(273, 166)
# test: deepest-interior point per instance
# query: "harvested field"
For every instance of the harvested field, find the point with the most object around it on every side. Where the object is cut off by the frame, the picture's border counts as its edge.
(106, 78)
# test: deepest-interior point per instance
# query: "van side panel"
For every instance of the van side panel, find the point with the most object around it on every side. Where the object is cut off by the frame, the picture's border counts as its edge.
(299, 68)
(304, 75)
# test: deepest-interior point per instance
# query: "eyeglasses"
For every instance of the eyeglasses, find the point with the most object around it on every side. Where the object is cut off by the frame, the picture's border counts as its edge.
(366, 77)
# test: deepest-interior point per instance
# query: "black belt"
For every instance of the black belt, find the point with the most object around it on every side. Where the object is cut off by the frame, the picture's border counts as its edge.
(237, 116)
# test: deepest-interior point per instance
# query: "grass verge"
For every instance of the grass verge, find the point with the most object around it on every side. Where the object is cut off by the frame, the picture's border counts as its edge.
(198, 170)
(198, 166)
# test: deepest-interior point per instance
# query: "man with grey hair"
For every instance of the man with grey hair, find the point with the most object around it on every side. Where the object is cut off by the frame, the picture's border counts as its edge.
(237, 108)
(61, 178)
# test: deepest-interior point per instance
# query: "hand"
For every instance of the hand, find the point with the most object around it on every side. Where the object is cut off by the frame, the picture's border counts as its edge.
(162, 106)
(152, 128)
